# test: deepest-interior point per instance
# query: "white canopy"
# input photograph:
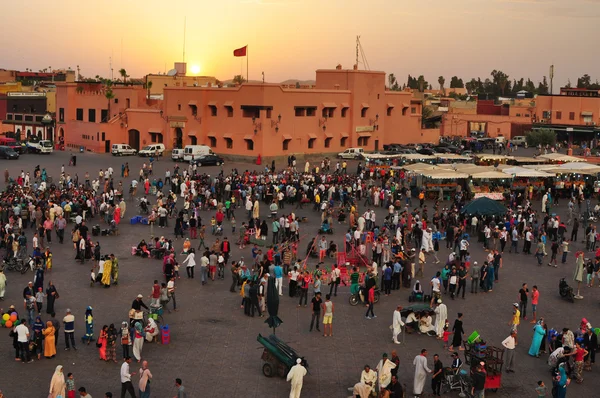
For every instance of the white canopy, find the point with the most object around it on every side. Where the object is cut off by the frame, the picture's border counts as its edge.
(524, 172)
(452, 156)
(487, 156)
(416, 156)
(559, 157)
(528, 159)
(419, 167)
(490, 175)
(443, 174)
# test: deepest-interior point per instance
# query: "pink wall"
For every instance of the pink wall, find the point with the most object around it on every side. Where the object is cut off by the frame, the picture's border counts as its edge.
(565, 105)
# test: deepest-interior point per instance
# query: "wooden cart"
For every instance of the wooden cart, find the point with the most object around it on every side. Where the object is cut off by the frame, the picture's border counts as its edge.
(493, 357)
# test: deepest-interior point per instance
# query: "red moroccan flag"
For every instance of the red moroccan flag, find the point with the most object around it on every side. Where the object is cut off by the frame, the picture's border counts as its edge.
(240, 52)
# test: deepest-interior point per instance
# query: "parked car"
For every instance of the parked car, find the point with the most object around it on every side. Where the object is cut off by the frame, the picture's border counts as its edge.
(193, 152)
(443, 149)
(122, 150)
(177, 154)
(8, 153)
(208, 160)
(454, 149)
(519, 140)
(352, 153)
(152, 150)
(427, 151)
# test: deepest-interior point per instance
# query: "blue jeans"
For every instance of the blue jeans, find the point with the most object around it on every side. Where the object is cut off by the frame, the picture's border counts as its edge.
(204, 274)
(145, 394)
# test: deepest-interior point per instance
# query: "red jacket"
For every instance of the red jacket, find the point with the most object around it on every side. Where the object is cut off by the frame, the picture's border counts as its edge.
(372, 295)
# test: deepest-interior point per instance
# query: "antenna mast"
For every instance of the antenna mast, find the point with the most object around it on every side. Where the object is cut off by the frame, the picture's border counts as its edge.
(184, 29)
(357, 44)
(359, 48)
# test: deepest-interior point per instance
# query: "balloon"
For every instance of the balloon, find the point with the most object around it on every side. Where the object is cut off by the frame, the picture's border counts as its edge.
(14, 313)
(2, 321)
(5, 317)
(8, 324)
(13, 317)
(16, 323)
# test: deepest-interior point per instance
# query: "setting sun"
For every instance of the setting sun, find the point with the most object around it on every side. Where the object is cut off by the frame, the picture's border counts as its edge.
(195, 69)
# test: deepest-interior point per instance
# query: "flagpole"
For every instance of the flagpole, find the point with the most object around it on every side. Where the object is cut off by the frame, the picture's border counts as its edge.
(247, 76)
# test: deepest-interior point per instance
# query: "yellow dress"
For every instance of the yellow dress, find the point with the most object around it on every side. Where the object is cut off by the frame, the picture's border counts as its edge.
(49, 346)
(106, 273)
(48, 261)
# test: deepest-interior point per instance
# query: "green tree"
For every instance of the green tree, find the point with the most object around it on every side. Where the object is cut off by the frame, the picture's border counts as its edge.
(455, 82)
(501, 83)
(393, 83)
(123, 74)
(422, 83)
(239, 79)
(471, 86)
(109, 95)
(543, 86)
(412, 83)
(541, 136)
(584, 81)
(149, 87)
(441, 81)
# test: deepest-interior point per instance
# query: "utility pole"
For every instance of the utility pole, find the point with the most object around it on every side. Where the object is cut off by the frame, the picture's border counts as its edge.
(551, 78)
(184, 29)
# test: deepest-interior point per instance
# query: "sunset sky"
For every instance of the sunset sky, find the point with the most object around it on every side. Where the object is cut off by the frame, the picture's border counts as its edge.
(293, 38)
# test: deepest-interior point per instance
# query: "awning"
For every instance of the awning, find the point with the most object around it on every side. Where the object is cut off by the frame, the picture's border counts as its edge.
(191, 133)
(328, 134)
(227, 136)
(155, 131)
(443, 174)
(249, 137)
(193, 103)
(390, 105)
(364, 105)
(228, 103)
(344, 135)
(212, 135)
(524, 172)
(329, 105)
(286, 137)
(489, 175)
(405, 105)
(364, 134)
(559, 157)
(586, 113)
(345, 105)
(212, 103)
(312, 136)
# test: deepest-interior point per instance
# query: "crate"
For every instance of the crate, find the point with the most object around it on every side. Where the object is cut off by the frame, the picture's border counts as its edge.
(144, 221)
(135, 220)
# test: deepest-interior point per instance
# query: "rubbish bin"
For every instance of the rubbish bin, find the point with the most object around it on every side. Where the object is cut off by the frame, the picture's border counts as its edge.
(80, 149)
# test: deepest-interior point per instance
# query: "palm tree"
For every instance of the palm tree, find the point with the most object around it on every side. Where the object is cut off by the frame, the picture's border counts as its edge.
(239, 79)
(123, 74)
(149, 87)
(109, 96)
(441, 81)
(421, 83)
(391, 80)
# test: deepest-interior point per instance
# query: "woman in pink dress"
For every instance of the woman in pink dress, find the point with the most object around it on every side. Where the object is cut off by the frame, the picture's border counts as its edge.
(117, 215)
(102, 340)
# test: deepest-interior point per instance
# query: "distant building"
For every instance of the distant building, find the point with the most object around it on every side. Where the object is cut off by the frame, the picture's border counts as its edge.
(27, 115)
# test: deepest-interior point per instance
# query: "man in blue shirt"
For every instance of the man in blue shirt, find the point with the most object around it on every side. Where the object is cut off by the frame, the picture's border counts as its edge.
(387, 280)
(396, 275)
(279, 278)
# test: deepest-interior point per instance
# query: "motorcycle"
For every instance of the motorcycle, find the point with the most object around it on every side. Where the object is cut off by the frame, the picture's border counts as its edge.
(360, 297)
(19, 264)
(565, 290)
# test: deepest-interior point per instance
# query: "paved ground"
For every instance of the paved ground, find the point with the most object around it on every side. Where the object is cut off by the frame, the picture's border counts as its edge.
(213, 345)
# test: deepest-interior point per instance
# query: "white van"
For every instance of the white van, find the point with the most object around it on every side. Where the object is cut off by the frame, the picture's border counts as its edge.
(500, 140)
(519, 140)
(177, 154)
(42, 146)
(352, 153)
(122, 149)
(192, 152)
(151, 150)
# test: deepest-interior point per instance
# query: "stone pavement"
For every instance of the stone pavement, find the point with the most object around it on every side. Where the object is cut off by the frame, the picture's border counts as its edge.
(213, 345)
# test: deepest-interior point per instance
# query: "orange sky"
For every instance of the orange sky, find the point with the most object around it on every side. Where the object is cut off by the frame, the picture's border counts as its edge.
(293, 38)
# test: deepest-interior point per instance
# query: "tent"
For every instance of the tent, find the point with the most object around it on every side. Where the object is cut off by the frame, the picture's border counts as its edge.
(559, 157)
(418, 167)
(443, 174)
(524, 172)
(484, 207)
(488, 175)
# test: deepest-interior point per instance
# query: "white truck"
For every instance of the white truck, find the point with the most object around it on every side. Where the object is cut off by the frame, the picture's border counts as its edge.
(192, 152)
(41, 146)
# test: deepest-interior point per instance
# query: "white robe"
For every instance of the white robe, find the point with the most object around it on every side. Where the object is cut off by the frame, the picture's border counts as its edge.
(365, 378)
(426, 241)
(441, 315)
(397, 325)
(421, 371)
(425, 324)
(385, 372)
(296, 375)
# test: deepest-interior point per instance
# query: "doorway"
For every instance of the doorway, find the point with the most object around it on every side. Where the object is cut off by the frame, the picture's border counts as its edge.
(178, 138)
(376, 145)
(134, 139)
(107, 147)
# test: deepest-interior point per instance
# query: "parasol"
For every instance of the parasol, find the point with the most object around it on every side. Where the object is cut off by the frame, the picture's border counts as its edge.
(273, 305)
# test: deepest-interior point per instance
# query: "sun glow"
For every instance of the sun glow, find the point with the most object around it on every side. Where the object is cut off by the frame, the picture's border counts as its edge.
(195, 69)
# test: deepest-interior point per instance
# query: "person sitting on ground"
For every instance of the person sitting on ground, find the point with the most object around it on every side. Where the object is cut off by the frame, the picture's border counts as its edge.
(142, 248)
(417, 292)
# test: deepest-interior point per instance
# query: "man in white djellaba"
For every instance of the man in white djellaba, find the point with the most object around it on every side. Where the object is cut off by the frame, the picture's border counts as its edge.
(295, 376)
(421, 371)
(397, 324)
(441, 315)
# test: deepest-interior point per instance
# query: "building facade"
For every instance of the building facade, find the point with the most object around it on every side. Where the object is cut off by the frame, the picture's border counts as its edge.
(346, 108)
(27, 116)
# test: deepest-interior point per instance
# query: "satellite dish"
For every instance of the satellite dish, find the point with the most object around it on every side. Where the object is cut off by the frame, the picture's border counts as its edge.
(172, 72)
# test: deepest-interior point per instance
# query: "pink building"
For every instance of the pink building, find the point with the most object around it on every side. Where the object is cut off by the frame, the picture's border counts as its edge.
(346, 108)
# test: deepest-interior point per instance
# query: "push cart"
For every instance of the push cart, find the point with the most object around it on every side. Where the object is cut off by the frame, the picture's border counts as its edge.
(278, 357)
(477, 351)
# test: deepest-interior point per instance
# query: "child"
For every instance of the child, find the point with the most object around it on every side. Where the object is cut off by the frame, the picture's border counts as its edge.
(565, 251)
(92, 277)
(70, 385)
(447, 334)
(541, 389)
(48, 255)
(202, 234)
(213, 224)
(232, 224)
(164, 296)
(39, 300)
(590, 273)
(176, 270)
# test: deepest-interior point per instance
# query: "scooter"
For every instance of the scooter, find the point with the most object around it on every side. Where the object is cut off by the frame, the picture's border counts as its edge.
(360, 297)
(565, 290)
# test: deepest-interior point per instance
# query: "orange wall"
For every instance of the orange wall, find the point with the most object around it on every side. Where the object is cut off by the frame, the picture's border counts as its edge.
(455, 124)
(565, 105)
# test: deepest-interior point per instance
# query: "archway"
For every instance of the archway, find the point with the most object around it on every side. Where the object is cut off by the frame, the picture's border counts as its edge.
(50, 134)
(178, 137)
(134, 139)
(18, 135)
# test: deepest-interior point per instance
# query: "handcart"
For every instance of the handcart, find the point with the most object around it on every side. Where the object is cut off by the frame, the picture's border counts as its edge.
(278, 357)
(477, 351)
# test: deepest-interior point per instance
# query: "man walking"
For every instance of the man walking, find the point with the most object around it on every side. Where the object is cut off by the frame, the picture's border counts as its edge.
(437, 376)
(296, 376)
(371, 302)
(60, 225)
(475, 273)
(335, 280)
(523, 294)
(397, 324)
(316, 311)
(126, 385)
(23, 339)
(510, 343)
(69, 325)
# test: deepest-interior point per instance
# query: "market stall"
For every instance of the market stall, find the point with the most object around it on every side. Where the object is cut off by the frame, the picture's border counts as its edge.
(561, 158)
(440, 180)
(492, 184)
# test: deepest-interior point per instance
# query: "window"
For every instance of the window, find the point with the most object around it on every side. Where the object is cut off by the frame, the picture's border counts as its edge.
(229, 142)
(116, 100)
(328, 112)
(389, 111)
(92, 115)
(518, 114)
(363, 112)
(344, 142)
(269, 113)
(344, 111)
(527, 115)
(213, 142)
(9, 116)
(558, 115)
(103, 136)
(229, 111)
(311, 143)
(546, 114)
(194, 110)
(39, 118)
(178, 107)
(18, 117)
(363, 141)
(571, 115)
(413, 110)
(250, 111)
(328, 142)
(29, 118)
(79, 114)
(213, 110)
(300, 111)
(249, 144)
(98, 136)
(311, 111)
(404, 111)
(193, 140)
(104, 115)
(286, 145)
(61, 115)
